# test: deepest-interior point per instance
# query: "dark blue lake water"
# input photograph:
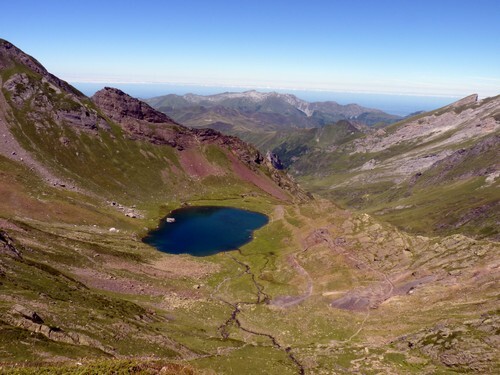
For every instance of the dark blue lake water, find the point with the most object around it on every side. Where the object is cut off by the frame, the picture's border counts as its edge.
(206, 230)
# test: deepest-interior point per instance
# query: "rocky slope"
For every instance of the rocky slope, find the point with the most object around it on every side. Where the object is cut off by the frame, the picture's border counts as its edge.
(119, 106)
(401, 170)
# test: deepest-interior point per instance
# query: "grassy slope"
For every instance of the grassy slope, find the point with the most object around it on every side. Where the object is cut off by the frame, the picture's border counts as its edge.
(427, 210)
(137, 367)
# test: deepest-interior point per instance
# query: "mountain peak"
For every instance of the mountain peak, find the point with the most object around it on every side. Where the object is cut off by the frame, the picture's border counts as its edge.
(118, 105)
(470, 99)
(12, 57)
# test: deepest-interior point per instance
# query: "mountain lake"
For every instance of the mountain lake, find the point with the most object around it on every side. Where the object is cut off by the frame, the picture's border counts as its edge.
(205, 230)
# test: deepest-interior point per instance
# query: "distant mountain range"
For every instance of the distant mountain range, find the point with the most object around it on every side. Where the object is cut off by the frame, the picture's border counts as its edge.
(256, 111)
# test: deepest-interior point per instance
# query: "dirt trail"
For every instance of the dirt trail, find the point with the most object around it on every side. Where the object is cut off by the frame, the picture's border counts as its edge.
(359, 300)
(278, 214)
(289, 301)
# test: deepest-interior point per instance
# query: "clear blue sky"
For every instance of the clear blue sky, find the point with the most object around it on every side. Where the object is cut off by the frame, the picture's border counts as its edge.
(428, 47)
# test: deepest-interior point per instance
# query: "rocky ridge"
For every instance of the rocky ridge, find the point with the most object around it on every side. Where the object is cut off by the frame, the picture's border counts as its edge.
(10, 54)
(429, 138)
(118, 106)
(143, 122)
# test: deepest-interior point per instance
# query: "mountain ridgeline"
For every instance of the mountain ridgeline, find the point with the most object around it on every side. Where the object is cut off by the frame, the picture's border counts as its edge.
(255, 116)
(267, 120)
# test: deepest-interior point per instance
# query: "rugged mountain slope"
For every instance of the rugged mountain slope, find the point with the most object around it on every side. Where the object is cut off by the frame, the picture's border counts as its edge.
(318, 290)
(290, 146)
(110, 161)
(72, 138)
(437, 171)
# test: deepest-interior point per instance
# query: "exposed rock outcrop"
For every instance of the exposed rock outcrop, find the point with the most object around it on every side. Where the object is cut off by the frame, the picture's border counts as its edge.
(468, 346)
(7, 245)
(274, 160)
(118, 105)
(23, 317)
(417, 144)
(465, 101)
(445, 169)
(50, 99)
(11, 55)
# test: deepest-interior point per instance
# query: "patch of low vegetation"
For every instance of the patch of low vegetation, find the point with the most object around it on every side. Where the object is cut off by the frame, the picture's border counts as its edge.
(117, 367)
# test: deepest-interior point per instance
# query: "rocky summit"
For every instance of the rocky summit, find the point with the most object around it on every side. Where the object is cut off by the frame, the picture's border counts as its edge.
(391, 266)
